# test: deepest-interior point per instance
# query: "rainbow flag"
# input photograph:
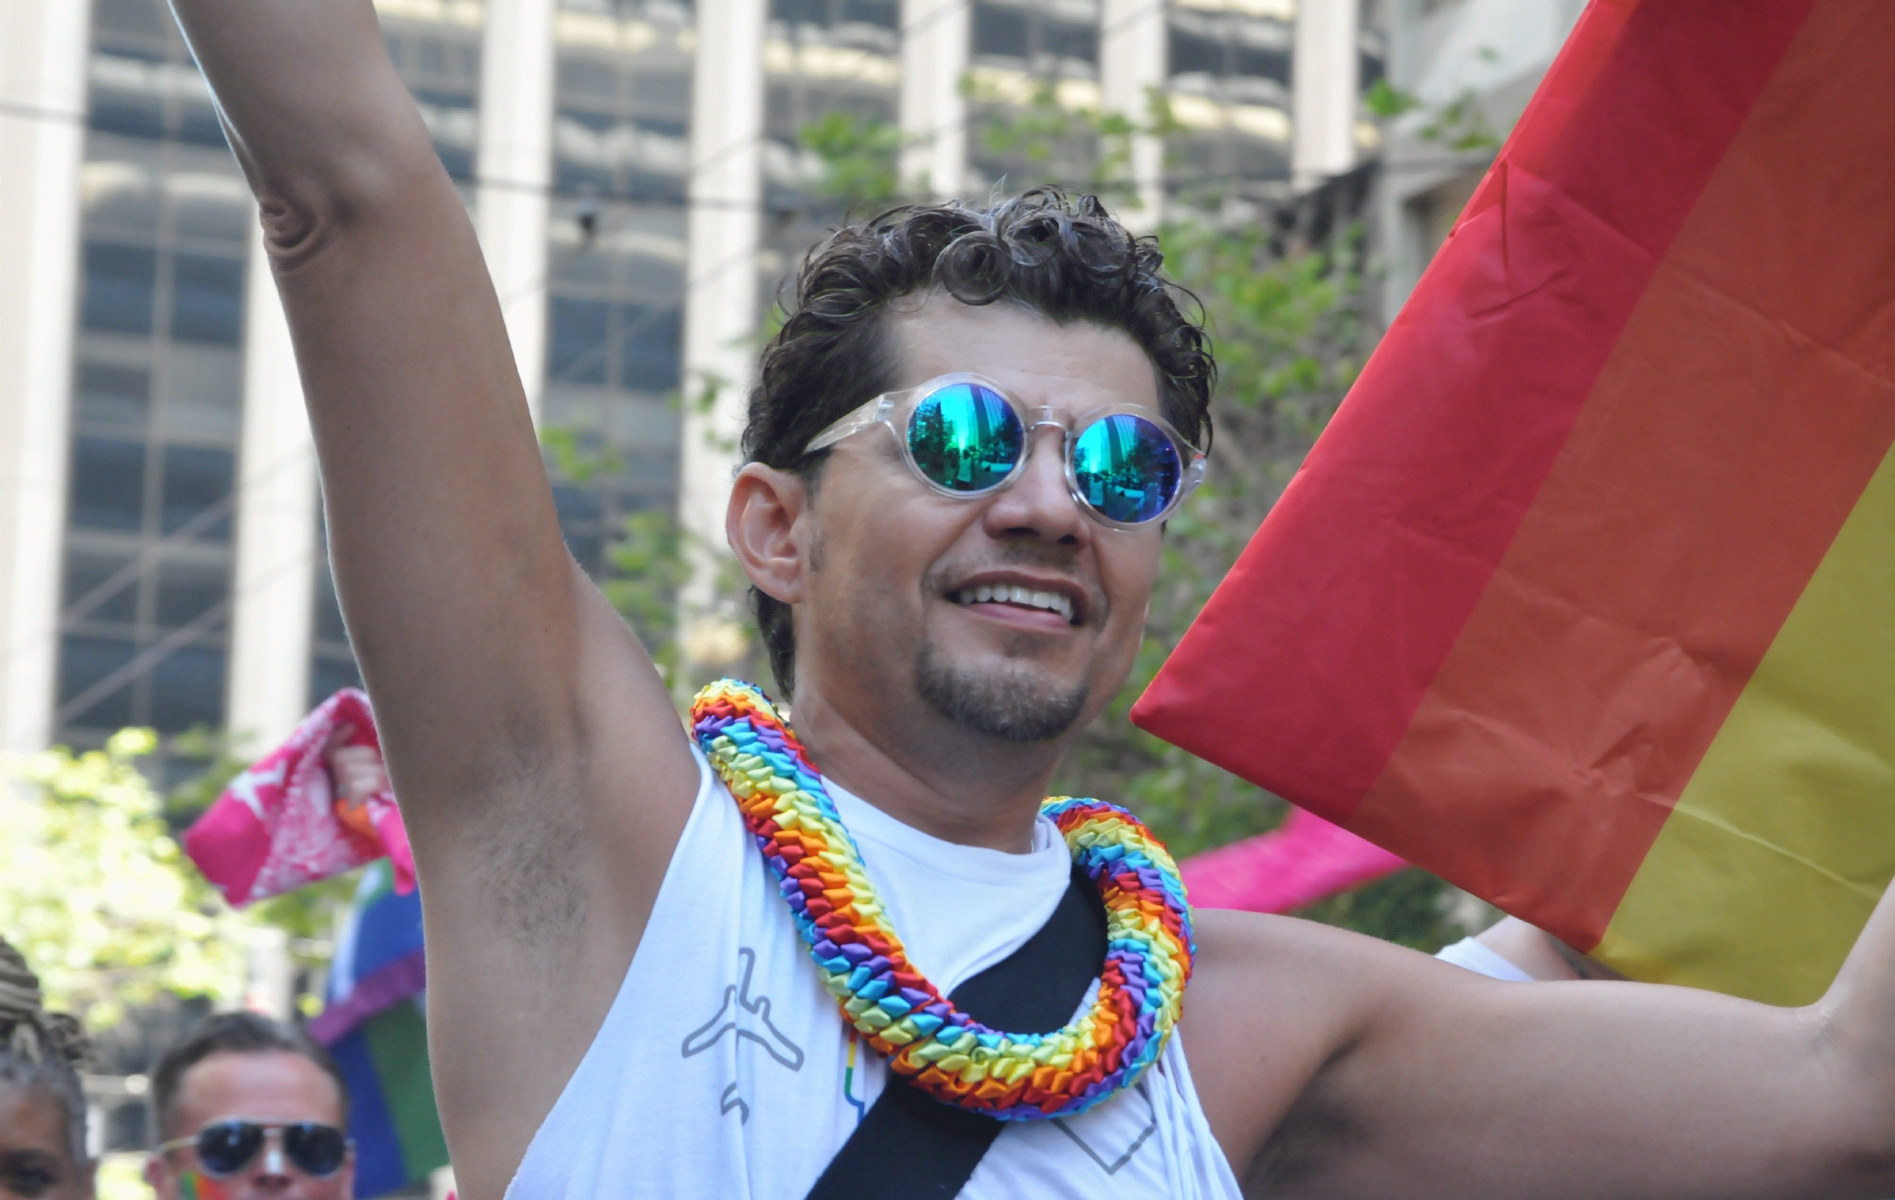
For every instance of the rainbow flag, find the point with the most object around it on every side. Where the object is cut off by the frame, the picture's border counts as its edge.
(376, 1026)
(1583, 600)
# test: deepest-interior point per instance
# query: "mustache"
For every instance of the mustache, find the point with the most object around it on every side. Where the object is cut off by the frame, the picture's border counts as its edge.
(942, 577)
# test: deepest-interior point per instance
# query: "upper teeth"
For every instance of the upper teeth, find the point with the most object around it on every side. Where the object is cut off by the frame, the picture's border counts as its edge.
(1004, 594)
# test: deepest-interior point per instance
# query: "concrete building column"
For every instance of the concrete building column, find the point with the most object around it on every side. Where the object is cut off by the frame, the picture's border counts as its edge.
(274, 575)
(42, 141)
(1325, 82)
(514, 164)
(935, 43)
(1133, 47)
(725, 190)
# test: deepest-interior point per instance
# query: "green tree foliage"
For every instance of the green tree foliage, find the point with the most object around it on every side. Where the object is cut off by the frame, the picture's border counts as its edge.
(1289, 337)
(97, 894)
(1044, 141)
(1460, 124)
(1410, 908)
(648, 559)
(647, 570)
(859, 158)
(645, 563)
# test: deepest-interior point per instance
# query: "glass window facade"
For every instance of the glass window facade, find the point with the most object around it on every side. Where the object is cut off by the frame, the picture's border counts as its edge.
(1041, 42)
(331, 660)
(615, 291)
(440, 63)
(1230, 82)
(821, 57)
(1058, 39)
(156, 407)
(861, 83)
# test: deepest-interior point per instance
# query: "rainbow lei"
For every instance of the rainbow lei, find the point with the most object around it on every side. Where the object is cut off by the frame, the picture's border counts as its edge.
(943, 1051)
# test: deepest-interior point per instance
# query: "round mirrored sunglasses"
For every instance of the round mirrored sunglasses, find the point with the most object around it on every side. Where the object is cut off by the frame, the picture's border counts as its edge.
(963, 436)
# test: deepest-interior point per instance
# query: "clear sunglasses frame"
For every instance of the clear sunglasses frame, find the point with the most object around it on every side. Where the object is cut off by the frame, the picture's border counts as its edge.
(895, 409)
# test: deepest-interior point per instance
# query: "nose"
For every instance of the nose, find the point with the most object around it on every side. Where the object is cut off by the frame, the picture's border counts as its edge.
(273, 1168)
(1038, 504)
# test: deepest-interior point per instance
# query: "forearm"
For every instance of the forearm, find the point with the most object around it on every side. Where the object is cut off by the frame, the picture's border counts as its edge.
(1632, 1089)
(1427, 1080)
(1859, 1012)
(315, 111)
(448, 559)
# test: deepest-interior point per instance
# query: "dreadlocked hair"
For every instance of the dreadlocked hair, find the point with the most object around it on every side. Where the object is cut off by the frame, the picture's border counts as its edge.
(1061, 256)
(39, 1048)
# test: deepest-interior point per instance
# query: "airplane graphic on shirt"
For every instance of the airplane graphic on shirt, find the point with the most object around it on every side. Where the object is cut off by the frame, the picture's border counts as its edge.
(745, 1018)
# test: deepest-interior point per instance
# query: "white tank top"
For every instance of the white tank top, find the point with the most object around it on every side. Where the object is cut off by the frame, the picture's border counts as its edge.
(1478, 958)
(725, 1070)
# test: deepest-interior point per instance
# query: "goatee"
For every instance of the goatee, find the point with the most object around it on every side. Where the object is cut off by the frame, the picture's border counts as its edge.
(1005, 704)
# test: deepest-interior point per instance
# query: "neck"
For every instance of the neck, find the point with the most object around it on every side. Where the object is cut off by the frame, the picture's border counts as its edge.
(926, 771)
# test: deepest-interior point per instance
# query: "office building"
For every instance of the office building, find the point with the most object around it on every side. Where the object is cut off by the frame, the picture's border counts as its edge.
(1469, 66)
(636, 176)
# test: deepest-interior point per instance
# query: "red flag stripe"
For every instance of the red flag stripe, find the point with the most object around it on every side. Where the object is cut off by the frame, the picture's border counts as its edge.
(1407, 516)
(1689, 422)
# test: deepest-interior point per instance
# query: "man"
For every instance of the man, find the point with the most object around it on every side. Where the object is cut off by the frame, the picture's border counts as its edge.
(620, 1002)
(248, 1107)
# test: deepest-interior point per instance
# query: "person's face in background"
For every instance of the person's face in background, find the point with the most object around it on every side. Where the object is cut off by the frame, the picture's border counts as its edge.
(269, 1087)
(36, 1147)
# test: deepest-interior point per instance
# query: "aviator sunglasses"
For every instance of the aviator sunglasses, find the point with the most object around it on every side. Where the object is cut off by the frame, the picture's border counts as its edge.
(965, 437)
(227, 1147)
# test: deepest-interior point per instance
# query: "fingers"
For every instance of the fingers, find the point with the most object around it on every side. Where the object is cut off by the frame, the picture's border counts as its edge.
(358, 773)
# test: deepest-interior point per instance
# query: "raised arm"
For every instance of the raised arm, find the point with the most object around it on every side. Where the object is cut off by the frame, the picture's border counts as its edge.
(541, 769)
(1407, 1077)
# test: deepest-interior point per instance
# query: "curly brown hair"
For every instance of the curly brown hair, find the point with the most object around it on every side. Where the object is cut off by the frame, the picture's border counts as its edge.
(1062, 256)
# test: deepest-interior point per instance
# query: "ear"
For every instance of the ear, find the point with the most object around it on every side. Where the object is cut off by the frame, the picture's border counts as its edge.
(766, 529)
(157, 1176)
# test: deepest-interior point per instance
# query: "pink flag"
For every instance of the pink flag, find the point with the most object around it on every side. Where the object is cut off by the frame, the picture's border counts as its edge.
(280, 825)
(1304, 860)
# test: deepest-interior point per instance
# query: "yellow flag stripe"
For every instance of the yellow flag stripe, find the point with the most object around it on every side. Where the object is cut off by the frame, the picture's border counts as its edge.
(1803, 774)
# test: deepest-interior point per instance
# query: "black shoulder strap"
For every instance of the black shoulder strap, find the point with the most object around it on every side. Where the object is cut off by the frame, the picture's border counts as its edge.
(912, 1145)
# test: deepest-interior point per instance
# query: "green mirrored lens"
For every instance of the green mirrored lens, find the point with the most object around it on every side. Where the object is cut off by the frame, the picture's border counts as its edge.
(1127, 468)
(965, 438)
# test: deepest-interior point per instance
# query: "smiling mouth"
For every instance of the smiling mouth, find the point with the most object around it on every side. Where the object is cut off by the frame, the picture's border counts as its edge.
(1019, 597)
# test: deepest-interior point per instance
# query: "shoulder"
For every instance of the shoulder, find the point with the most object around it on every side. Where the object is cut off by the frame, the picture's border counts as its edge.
(1274, 1003)
(1296, 963)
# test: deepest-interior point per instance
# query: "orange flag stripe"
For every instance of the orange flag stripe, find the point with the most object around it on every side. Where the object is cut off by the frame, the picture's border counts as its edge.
(1741, 415)
(1337, 618)
(1580, 601)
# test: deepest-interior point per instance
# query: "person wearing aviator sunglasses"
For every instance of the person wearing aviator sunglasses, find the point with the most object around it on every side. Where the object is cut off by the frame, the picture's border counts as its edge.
(701, 963)
(248, 1107)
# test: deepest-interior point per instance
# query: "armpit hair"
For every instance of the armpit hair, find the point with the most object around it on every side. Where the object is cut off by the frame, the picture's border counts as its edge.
(527, 853)
(1317, 1130)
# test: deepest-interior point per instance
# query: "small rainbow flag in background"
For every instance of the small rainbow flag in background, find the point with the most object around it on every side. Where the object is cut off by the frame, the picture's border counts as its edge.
(1586, 598)
(375, 1025)
(195, 1185)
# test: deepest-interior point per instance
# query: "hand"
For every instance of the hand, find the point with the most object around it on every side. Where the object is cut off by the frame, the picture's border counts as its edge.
(358, 773)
